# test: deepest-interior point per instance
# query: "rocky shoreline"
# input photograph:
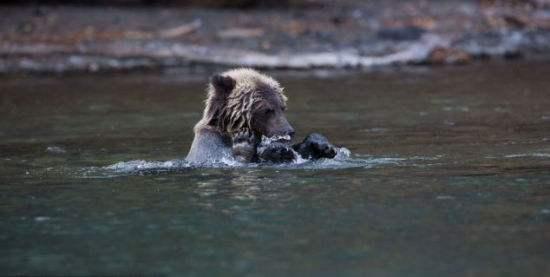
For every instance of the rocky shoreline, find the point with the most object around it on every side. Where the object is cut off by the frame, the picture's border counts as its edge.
(352, 34)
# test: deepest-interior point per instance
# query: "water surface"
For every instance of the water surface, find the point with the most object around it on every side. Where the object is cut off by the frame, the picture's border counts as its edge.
(449, 176)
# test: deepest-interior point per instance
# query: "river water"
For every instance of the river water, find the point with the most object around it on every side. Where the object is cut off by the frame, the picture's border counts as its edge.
(449, 175)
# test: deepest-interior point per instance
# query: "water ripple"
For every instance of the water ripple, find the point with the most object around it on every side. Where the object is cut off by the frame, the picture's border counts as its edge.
(343, 160)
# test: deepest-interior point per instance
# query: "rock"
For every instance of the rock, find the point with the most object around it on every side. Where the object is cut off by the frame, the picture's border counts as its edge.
(241, 33)
(442, 55)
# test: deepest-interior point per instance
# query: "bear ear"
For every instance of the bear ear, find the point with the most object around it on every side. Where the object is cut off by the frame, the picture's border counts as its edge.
(222, 84)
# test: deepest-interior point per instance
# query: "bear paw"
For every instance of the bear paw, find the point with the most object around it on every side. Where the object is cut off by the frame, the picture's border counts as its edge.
(244, 146)
(315, 146)
(276, 152)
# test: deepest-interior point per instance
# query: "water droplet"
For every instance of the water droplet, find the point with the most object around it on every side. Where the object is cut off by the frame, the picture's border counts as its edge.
(41, 218)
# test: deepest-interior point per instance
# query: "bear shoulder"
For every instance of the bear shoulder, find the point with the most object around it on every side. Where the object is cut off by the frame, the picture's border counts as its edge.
(209, 145)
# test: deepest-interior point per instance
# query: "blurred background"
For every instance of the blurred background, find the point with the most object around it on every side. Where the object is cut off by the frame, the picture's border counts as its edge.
(101, 35)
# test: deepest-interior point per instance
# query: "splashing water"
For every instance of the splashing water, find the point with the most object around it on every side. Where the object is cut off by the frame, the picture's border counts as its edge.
(269, 140)
(142, 165)
(343, 159)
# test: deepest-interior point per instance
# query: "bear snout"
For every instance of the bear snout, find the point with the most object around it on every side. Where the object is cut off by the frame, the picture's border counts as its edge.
(282, 129)
(291, 132)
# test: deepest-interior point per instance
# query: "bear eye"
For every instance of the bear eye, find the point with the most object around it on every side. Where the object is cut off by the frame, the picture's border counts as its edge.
(269, 111)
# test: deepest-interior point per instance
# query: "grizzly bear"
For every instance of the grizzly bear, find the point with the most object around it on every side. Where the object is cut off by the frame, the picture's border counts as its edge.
(244, 119)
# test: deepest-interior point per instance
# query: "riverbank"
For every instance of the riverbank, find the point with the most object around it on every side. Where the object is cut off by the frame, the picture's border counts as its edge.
(350, 34)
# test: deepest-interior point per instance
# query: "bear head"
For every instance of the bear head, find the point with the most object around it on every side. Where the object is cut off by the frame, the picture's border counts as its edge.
(246, 100)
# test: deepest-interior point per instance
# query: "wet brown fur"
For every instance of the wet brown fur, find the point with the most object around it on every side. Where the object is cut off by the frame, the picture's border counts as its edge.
(233, 111)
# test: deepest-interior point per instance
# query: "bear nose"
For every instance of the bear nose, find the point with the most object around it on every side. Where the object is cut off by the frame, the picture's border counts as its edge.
(291, 133)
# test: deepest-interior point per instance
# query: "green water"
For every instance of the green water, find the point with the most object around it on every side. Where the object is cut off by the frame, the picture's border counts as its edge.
(449, 176)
